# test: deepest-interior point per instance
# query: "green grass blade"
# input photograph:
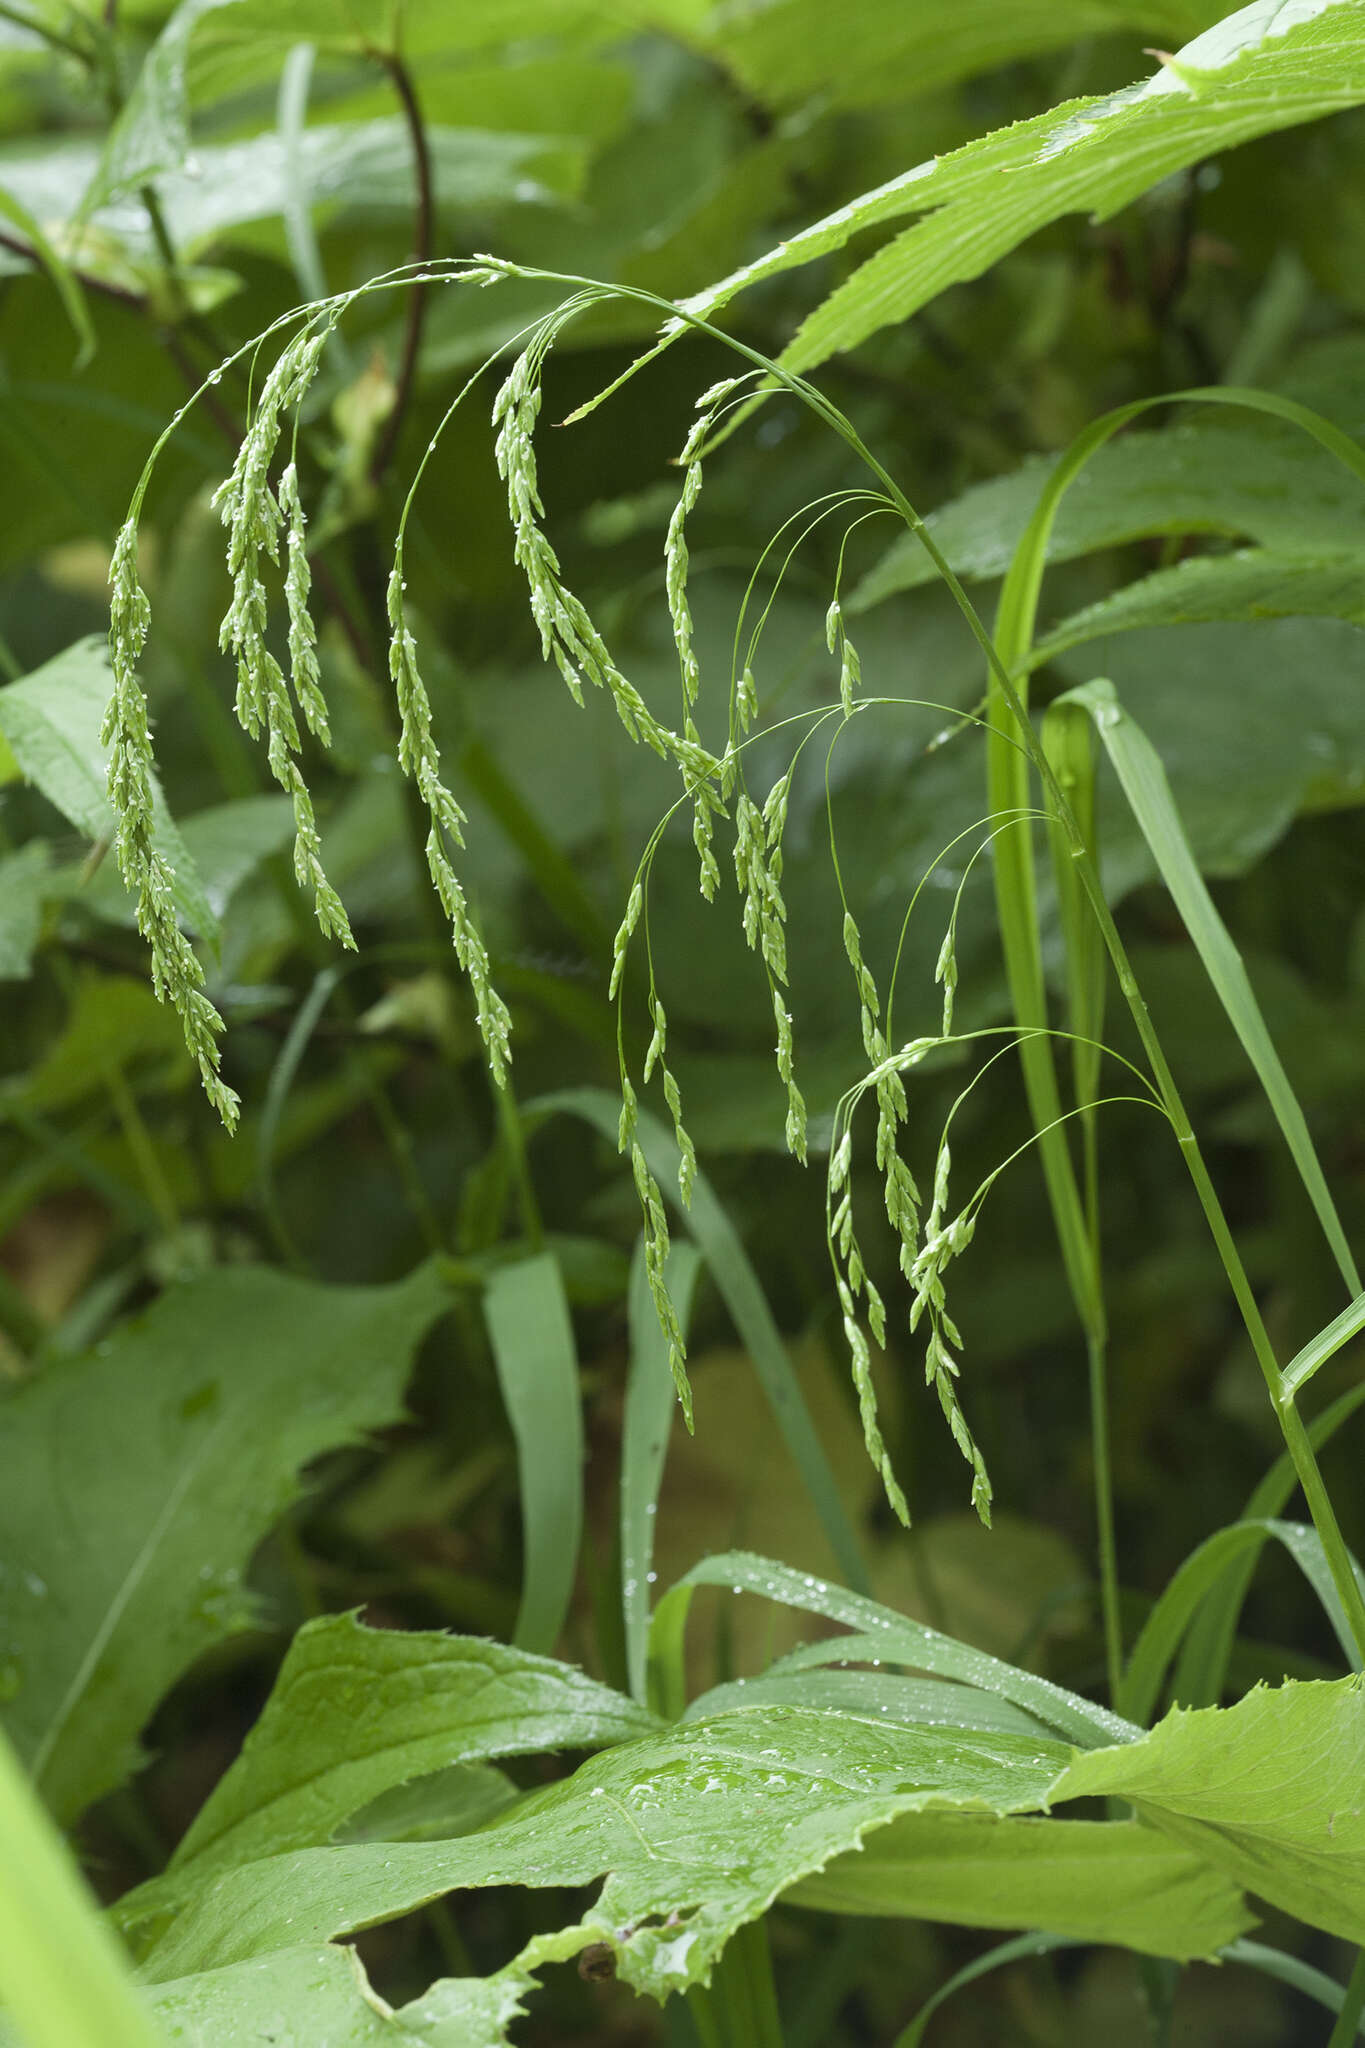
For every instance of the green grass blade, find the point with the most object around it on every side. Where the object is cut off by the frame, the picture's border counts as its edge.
(64, 279)
(903, 1642)
(1325, 1345)
(63, 1978)
(1299, 1976)
(1019, 1950)
(550, 868)
(738, 1286)
(1202, 1670)
(1068, 741)
(1253, 583)
(296, 1042)
(1200, 1572)
(1143, 780)
(650, 1400)
(529, 1329)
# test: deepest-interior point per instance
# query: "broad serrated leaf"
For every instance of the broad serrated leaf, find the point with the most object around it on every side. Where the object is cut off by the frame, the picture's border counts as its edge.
(52, 721)
(700, 1827)
(1268, 66)
(1243, 479)
(319, 1994)
(1109, 1881)
(436, 1808)
(1268, 1789)
(136, 1480)
(356, 1711)
(1254, 583)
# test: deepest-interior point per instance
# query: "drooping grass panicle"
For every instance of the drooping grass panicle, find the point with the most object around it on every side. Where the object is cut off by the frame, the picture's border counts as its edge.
(853, 1281)
(420, 760)
(655, 1056)
(758, 874)
(177, 976)
(568, 636)
(305, 677)
(655, 1235)
(254, 517)
(705, 805)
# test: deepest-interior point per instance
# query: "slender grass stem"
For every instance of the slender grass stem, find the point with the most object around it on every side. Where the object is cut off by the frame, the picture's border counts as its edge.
(739, 2008)
(1103, 1481)
(139, 1142)
(1347, 2028)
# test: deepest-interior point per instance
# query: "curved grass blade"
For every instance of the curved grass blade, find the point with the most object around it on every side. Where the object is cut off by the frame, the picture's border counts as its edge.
(910, 1702)
(64, 279)
(1325, 1345)
(1201, 1571)
(903, 1642)
(296, 1041)
(1299, 1976)
(62, 1977)
(1202, 1670)
(1143, 780)
(650, 1399)
(736, 1282)
(531, 1333)
(1020, 1950)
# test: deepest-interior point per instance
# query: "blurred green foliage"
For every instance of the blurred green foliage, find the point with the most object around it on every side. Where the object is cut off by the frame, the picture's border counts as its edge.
(165, 193)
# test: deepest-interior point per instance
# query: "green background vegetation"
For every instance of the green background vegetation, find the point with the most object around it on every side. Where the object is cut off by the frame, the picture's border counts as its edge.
(156, 212)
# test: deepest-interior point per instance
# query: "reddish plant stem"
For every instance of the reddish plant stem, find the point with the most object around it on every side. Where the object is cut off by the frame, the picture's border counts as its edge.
(422, 231)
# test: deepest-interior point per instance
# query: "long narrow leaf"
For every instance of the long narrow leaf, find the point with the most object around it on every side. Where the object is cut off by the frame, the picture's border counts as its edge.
(1325, 1345)
(650, 1401)
(1299, 1976)
(62, 1977)
(738, 1286)
(1202, 1670)
(531, 1333)
(1022, 1949)
(904, 1642)
(1201, 1570)
(1143, 780)
(64, 279)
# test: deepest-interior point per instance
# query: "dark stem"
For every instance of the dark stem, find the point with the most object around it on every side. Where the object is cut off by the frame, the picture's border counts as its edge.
(422, 229)
(213, 405)
(83, 277)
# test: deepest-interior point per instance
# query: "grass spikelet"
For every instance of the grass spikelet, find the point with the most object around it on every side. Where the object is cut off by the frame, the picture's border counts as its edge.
(942, 1243)
(861, 1360)
(253, 516)
(420, 760)
(795, 1132)
(177, 976)
(656, 1257)
(568, 636)
(305, 676)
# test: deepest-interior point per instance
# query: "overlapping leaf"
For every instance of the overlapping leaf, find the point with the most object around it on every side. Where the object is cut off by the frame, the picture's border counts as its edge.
(136, 1480)
(1268, 66)
(356, 1711)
